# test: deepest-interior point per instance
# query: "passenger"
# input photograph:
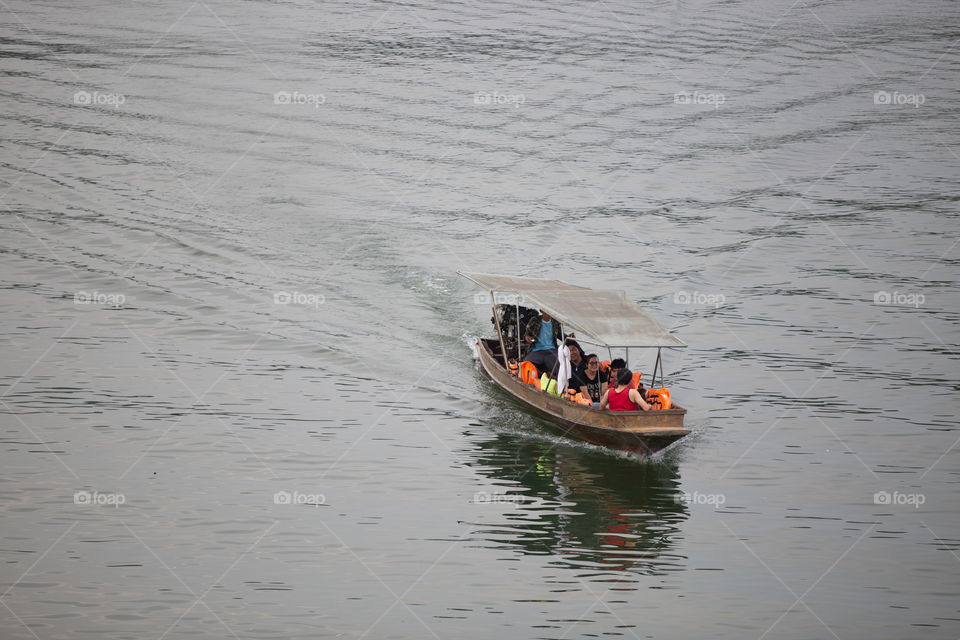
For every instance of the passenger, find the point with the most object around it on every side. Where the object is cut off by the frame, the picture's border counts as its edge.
(576, 353)
(591, 380)
(622, 397)
(543, 333)
(577, 363)
(611, 377)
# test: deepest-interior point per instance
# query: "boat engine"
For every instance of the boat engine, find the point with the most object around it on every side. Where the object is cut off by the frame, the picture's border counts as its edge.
(507, 315)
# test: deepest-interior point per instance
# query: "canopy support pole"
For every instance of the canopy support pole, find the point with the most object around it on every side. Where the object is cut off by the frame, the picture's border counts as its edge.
(496, 321)
(658, 363)
(516, 301)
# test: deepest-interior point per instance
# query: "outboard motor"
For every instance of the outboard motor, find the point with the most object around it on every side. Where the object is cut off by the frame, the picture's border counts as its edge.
(507, 315)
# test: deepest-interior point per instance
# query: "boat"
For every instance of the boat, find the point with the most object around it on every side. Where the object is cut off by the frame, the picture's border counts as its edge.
(603, 318)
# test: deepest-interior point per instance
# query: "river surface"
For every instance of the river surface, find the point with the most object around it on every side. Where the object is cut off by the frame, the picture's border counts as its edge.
(238, 395)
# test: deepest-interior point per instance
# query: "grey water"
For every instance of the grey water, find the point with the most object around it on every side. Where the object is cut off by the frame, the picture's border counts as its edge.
(238, 393)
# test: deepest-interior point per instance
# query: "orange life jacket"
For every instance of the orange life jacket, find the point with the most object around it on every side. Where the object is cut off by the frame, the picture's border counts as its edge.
(659, 399)
(528, 373)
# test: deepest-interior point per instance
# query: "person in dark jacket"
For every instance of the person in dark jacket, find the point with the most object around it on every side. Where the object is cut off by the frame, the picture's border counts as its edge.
(577, 363)
(543, 333)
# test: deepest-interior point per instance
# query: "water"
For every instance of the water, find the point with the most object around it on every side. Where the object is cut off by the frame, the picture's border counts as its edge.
(238, 397)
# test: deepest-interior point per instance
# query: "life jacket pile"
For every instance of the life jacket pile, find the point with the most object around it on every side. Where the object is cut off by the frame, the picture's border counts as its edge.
(659, 399)
(577, 396)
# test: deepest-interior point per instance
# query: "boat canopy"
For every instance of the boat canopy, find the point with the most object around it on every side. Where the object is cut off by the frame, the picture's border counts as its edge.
(607, 316)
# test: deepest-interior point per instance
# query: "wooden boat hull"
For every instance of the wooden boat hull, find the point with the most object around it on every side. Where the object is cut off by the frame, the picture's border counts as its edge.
(641, 432)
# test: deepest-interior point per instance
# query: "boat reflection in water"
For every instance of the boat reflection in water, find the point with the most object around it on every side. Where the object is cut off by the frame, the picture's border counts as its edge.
(590, 509)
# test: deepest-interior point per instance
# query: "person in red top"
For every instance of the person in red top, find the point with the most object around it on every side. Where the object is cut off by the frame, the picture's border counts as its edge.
(623, 398)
